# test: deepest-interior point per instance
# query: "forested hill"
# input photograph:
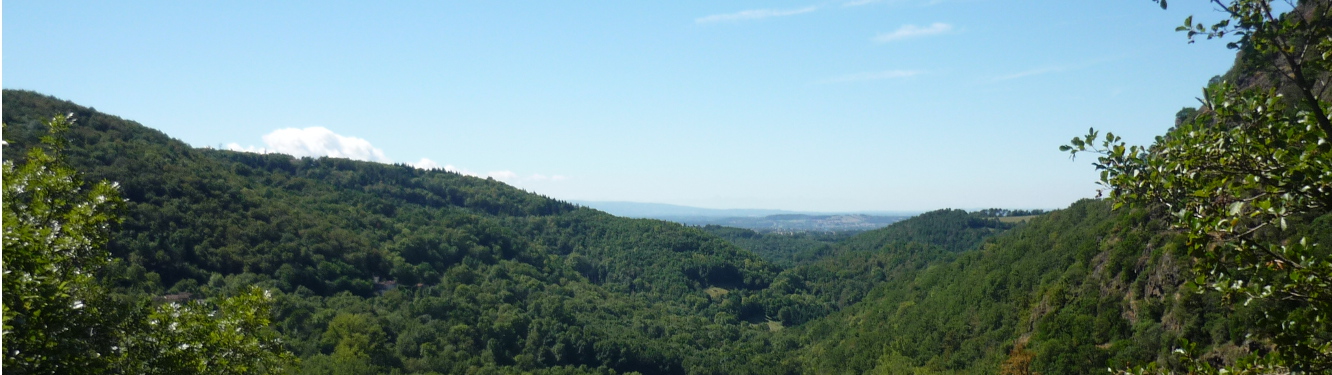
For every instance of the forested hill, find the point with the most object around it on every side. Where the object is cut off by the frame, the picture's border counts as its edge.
(194, 212)
(381, 268)
(449, 272)
(1061, 286)
(952, 230)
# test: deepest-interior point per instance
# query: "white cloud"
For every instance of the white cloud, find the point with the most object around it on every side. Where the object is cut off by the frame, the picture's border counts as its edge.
(319, 141)
(871, 76)
(856, 3)
(237, 147)
(753, 14)
(913, 31)
(315, 142)
(426, 164)
(461, 171)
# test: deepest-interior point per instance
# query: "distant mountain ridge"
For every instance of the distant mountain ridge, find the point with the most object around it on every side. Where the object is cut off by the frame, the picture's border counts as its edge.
(664, 211)
(766, 220)
(644, 210)
(790, 223)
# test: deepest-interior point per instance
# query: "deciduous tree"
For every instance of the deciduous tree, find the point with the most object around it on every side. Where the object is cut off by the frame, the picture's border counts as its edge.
(1254, 159)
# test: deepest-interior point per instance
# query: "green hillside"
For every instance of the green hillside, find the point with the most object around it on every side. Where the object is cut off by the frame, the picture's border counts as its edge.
(1191, 264)
(784, 249)
(446, 272)
(952, 230)
(1083, 288)
(387, 268)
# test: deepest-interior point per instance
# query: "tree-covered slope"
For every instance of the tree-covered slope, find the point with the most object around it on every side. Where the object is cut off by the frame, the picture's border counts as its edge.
(1074, 291)
(823, 278)
(386, 268)
(784, 249)
(953, 230)
(382, 267)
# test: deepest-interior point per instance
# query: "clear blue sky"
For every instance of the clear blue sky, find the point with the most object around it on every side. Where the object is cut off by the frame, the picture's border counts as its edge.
(812, 106)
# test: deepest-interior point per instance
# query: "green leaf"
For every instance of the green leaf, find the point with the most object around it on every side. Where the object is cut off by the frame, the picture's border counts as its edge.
(1236, 208)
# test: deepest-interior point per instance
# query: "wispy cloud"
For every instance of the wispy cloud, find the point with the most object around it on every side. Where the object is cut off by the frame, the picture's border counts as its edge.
(541, 177)
(1032, 72)
(873, 76)
(856, 3)
(1058, 68)
(913, 31)
(754, 14)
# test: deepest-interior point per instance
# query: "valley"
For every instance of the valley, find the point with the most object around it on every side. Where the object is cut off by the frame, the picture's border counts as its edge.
(1201, 248)
(491, 279)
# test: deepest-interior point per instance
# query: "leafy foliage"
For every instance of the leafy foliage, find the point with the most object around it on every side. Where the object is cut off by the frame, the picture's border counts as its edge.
(59, 319)
(229, 336)
(1235, 176)
(54, 232)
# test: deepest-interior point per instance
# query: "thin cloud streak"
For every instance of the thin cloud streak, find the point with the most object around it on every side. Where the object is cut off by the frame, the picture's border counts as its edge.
(913, 31)
(1029, 73)
(873, 76)
(1060, 68)
(857, 3)
(754, 14)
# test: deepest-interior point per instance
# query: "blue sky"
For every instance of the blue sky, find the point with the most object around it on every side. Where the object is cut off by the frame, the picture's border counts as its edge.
(811, 106)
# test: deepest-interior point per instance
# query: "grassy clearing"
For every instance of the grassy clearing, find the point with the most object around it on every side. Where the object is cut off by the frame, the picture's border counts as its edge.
(716, 292)
(1016, 219)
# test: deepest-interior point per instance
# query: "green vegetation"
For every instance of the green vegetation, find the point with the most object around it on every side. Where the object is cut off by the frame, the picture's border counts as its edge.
(1237, 174)
(59, 319)
(209, 261)
(1082, 288)
(379, 268)
(783, 249)
(376, 267)
(952, 230)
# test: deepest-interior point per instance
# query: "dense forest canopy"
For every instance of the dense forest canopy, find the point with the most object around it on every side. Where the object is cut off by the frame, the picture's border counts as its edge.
(127, 251)
(378, 268)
